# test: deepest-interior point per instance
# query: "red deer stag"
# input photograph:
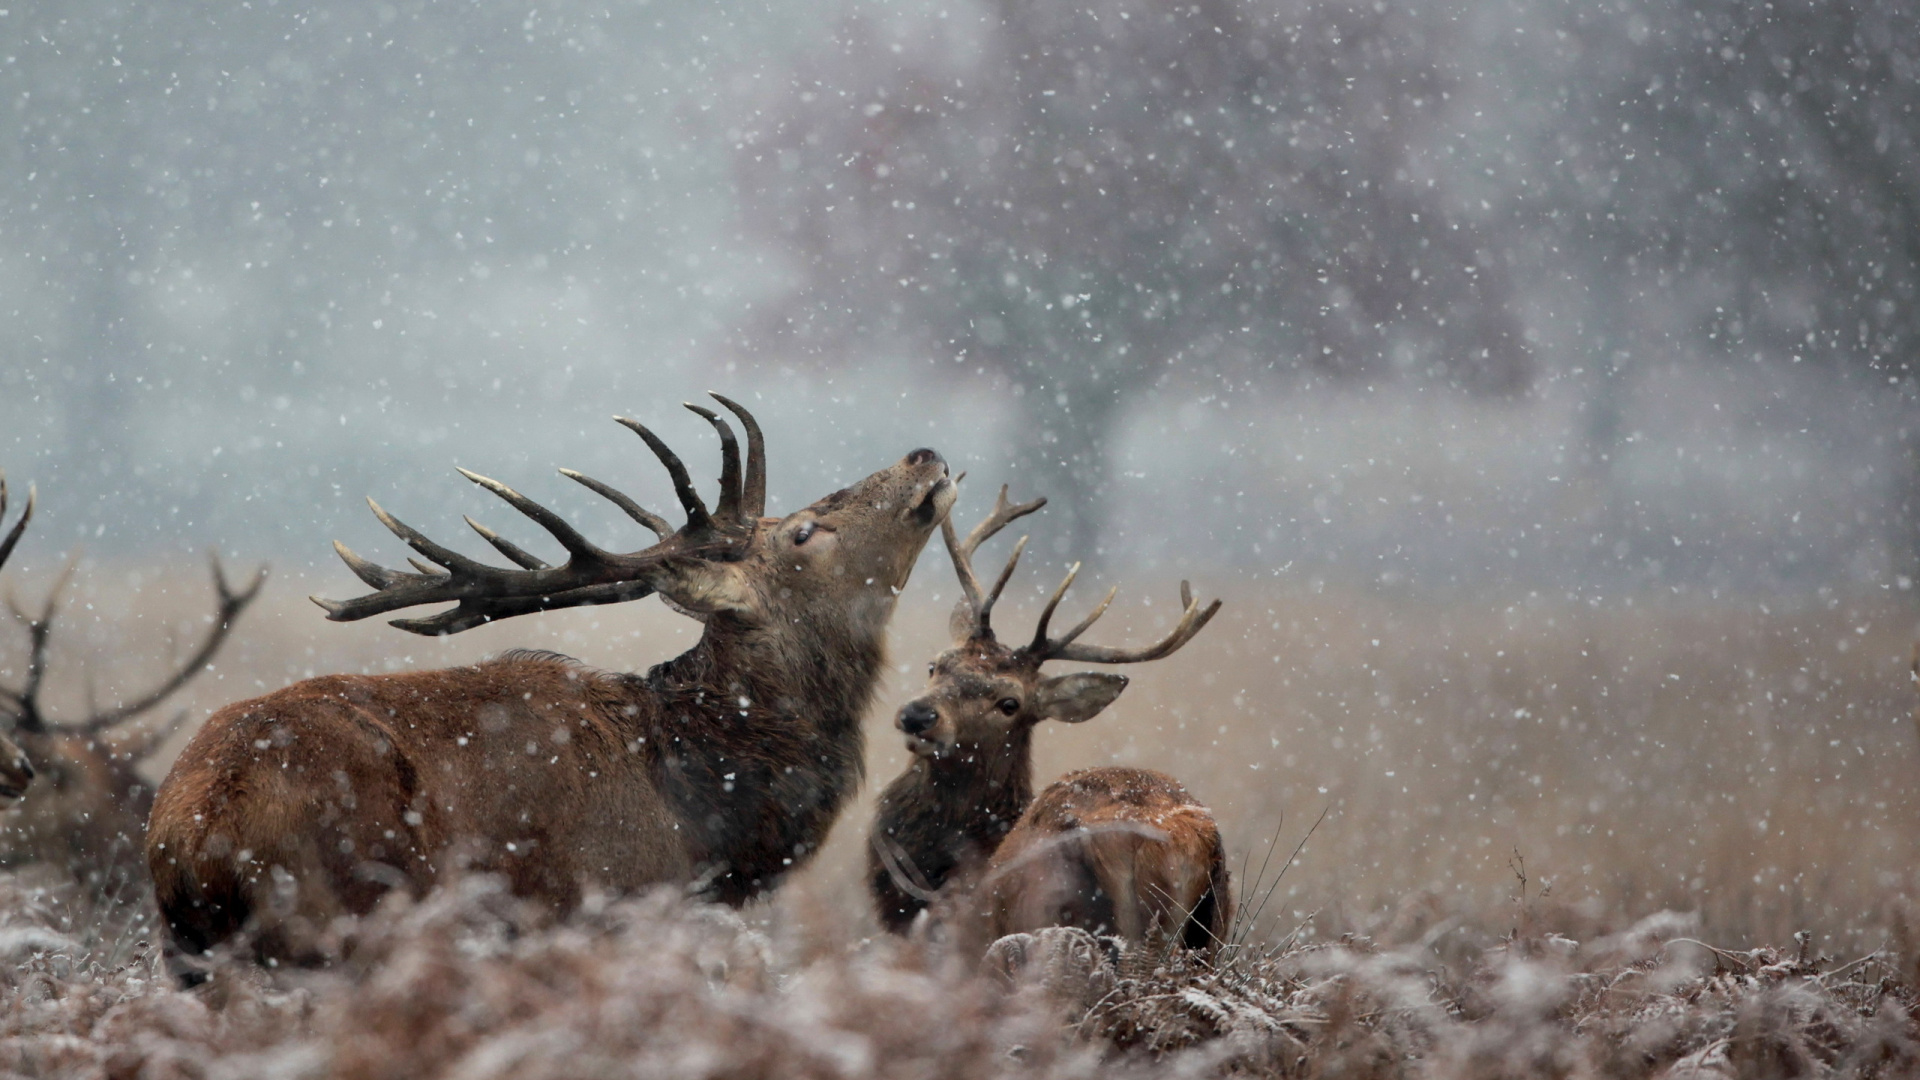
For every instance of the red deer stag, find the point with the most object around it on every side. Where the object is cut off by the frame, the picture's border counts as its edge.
(723, 767)
(86, 810)
(1122, 849)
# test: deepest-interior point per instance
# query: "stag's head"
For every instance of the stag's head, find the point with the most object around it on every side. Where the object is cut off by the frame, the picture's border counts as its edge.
(859, 543)
(982, 693)
(849, 552)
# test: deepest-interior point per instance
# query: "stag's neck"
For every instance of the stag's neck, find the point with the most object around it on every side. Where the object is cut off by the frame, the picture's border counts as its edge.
(756, 743)
(814, 671)
(946, 811)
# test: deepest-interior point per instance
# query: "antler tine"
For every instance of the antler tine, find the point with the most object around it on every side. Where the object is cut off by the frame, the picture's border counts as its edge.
(728, 508)
(419, 542)
(569, 537)
(1192, 620)
(1089, 619)
(19, 527)
(753, 489)
(1053, 602)
(981, 603)
(525, 559)
(229, 606)
(479, 612)
(1003, 514)
(367, 570)
(39, 632)
(999, 583)
(634, 510)
(962, 564)
(697, 515)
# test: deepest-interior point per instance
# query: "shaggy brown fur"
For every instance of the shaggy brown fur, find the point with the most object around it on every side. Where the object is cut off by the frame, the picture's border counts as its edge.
(1113, 850)
(723, 767)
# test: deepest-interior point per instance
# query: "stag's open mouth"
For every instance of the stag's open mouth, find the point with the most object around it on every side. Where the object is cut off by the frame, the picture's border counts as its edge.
(921, 746)
(8, 792)
(929, 509)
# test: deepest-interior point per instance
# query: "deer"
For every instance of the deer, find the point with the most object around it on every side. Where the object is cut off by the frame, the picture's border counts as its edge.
(718, 771)
(88, 804)
(1124, 850)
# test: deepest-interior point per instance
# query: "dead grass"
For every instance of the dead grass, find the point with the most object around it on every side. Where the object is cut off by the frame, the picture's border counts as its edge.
(1746, 765)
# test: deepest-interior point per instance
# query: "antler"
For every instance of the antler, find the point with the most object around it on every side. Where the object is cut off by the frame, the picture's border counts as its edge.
(1192, 619)
(24, 703)
(590, 575)
(231, 604)
(978, 610)
(19, 527)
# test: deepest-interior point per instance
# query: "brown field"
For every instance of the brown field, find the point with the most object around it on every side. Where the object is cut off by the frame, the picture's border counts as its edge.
(1744, 766)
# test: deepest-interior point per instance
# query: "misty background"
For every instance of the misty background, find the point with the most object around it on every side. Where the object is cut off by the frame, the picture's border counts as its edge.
(1541, 295)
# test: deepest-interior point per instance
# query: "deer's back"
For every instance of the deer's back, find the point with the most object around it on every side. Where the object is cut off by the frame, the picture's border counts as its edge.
(1120, 849)
(314, 800)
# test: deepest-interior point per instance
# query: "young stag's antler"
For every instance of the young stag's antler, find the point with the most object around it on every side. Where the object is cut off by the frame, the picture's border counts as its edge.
(590, 575)
(974, 617)
(1192, 619)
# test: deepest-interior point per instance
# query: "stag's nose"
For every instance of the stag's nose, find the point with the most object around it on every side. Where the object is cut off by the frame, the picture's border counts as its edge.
(25, 767)
(917, 717)
(924, 455)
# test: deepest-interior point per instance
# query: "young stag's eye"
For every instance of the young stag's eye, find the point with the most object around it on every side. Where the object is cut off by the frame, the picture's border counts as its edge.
(1008, 705)
(802, 534)
(929, 670)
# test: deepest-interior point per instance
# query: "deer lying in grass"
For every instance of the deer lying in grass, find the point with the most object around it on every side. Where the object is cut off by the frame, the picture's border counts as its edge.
(1120, 849)
(88, 803)
(722, 768)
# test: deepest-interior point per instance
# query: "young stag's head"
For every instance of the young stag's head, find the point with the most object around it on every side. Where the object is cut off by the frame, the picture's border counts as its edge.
(983, 696)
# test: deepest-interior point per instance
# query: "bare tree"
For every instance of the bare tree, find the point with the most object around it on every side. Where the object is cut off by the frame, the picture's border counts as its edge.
(1758, 168)
(1085, 200)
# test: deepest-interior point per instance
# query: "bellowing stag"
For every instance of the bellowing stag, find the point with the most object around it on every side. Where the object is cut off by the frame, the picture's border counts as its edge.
(1117, 849)
(722, 768)
(88, 803)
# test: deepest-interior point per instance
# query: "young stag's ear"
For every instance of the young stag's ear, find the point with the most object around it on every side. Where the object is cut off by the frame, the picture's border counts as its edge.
(701, 589)
(1076, 697)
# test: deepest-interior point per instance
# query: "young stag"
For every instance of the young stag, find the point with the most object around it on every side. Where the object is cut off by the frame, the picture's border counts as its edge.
(1122, 849)
(722, 768)
(88, 803)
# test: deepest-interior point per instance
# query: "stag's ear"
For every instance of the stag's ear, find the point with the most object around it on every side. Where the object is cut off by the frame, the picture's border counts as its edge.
(700, 589)
(1076, 697)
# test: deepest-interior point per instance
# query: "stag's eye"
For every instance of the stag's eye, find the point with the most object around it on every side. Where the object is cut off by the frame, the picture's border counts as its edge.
(802, 534)
(930, 671)
(1008, 705)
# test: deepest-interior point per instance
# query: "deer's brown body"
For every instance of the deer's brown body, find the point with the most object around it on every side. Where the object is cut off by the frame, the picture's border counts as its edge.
(723, 767)
(1117, 850)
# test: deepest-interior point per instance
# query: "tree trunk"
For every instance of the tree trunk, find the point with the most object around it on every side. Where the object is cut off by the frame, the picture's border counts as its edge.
(1062, 450)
